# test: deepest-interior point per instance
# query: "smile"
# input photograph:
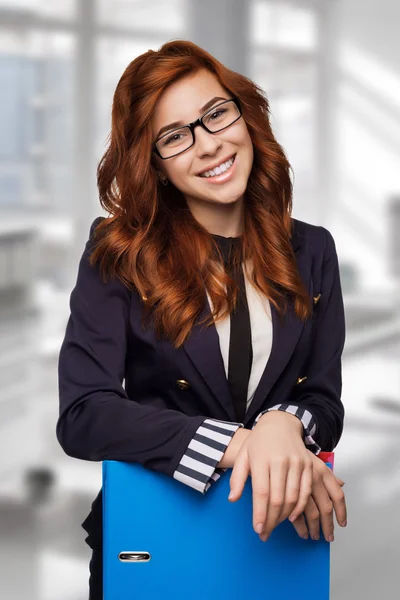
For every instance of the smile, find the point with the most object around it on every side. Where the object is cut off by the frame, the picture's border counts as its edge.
(219, 173)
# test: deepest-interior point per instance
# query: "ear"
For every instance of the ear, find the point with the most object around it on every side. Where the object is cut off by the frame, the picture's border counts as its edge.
(160, 175)
(156, 163)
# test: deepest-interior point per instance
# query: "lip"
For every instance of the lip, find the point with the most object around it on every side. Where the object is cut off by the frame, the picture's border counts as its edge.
(216, 164)
(223, 177)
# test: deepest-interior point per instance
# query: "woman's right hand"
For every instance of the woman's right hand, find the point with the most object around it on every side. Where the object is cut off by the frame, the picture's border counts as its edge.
(326, 498)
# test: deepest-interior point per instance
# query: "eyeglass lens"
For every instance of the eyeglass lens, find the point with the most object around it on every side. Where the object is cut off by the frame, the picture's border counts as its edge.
(180, 139)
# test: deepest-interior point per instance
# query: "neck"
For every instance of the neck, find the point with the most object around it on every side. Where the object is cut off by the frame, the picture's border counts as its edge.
(220, 219)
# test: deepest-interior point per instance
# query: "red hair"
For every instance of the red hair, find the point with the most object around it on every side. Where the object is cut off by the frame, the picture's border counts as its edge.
(151, 242)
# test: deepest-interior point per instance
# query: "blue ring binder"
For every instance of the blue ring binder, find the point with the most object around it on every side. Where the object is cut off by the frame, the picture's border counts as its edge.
(200, 545)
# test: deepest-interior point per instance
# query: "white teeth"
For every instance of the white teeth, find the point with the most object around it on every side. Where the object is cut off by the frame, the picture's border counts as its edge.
(218, 170)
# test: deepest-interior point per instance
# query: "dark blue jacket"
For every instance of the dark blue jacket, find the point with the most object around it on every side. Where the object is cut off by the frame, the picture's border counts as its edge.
(153, 416)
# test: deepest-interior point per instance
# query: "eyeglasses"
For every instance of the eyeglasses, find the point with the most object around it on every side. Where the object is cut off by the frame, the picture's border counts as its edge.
(219, 117)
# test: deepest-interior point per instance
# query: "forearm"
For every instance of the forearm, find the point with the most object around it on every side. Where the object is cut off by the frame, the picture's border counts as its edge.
(229, 457)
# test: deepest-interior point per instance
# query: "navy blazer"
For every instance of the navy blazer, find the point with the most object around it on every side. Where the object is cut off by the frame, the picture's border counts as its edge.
(168, 393)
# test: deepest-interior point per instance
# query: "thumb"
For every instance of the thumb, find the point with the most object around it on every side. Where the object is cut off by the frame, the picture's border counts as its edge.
(239, 476)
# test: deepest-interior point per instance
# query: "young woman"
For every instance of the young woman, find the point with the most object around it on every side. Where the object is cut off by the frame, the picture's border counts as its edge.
(222, 313)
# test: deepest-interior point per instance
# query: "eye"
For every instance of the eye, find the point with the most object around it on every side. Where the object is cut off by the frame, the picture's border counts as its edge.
(218, 112)
(171, 138)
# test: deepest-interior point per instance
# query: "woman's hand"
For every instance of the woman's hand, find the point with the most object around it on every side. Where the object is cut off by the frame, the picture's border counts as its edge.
(281, 470)
(326, 496)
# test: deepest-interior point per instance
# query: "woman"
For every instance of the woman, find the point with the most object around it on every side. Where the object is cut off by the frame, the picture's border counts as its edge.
(223, 314)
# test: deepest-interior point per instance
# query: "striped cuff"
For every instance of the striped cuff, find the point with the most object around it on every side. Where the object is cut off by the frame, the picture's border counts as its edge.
(309, 424)
(198, 466)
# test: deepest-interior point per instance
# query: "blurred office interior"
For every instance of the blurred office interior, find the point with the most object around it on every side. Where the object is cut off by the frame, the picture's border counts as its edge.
(331, 71)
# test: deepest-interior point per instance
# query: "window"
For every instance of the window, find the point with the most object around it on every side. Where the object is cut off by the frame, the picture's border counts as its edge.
(284, 63)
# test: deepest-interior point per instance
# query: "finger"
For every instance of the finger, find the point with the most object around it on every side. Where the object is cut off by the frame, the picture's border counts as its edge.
(304, 494)
(293, 489)
(340, 481)
(260, 482)
(337, 497)
(239, 475)
(313, 519)
(300, 526)
(325, 507)
(278, 476)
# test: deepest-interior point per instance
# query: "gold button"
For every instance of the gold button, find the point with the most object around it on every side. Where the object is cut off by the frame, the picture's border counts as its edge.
(316, 298)
(300, 379)
(182, 384)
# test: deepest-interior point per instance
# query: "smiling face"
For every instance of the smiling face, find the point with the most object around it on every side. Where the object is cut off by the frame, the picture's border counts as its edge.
(208, 198)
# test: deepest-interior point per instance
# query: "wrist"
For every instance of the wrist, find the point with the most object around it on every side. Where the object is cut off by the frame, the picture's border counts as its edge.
(229, 457)
(282, 416)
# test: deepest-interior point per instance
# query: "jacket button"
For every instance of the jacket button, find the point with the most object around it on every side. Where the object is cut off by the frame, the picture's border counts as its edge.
(316, 298)
(300, 379)
(182, 384)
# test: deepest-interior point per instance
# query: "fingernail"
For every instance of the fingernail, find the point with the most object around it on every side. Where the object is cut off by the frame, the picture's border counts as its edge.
(231, 495)
(344, 523)
(292, 518)
(331, 538)
(264, 538)
(258, 528)
(305, 536)
(315, 537)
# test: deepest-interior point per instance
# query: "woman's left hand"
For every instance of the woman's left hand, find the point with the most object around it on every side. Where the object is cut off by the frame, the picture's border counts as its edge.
(280, 466)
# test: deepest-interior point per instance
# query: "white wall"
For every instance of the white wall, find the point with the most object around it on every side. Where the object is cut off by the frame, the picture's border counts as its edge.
(367, 132)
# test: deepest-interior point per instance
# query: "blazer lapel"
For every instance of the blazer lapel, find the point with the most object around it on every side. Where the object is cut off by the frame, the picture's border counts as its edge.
(202, 347)
(284, 340)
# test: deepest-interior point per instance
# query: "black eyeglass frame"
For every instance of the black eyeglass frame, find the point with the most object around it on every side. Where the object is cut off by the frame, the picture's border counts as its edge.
(196, 123)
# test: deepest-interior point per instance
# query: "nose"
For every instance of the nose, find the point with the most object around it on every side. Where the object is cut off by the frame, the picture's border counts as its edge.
(206, 143)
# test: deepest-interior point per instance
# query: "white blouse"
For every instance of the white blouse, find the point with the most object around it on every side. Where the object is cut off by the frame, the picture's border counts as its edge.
(261, 335)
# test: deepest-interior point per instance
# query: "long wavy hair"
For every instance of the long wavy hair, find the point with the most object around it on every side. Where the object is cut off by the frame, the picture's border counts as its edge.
(151, 241)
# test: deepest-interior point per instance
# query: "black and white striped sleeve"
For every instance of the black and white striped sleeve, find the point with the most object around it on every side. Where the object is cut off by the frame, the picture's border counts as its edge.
(309, 424)
(198, 466)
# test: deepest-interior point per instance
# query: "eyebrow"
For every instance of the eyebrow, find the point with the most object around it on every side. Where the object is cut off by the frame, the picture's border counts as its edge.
(179, 123)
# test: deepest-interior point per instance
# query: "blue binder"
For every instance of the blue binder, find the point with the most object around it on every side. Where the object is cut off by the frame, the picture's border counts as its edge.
(162, 539)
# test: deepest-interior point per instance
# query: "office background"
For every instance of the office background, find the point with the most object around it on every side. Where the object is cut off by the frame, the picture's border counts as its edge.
(331, 70)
